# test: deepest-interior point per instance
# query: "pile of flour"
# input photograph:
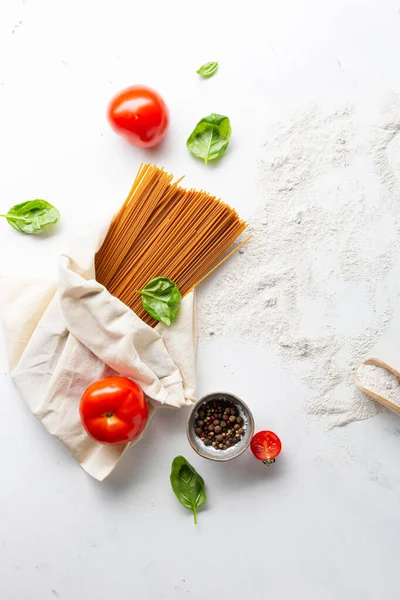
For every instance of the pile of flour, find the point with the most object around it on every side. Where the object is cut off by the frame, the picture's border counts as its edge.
(312, 284)
(381, 381)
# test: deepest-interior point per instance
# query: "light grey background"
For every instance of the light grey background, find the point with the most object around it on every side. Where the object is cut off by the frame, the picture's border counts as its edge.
(323, 522)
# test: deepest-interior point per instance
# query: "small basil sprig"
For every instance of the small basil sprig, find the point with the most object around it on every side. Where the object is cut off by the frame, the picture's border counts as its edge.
(188, 485)
(32, 216)
(208, 69)
(210, 138)
(161, 298)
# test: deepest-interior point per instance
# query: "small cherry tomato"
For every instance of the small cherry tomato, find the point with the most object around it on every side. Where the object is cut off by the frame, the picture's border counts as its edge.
(265, 445)
(140, 115)
(113, 410)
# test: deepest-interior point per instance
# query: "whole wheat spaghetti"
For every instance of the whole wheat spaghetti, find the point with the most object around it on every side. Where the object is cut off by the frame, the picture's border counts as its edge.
(164, 230)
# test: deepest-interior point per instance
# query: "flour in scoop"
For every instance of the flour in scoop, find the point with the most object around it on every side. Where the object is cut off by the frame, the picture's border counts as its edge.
(315, 282)
(381, 381)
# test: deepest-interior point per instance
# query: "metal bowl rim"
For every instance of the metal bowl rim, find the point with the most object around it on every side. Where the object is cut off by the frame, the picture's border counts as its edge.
(250, 425)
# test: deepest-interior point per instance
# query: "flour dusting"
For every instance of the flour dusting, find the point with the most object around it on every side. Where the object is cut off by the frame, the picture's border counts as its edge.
(312, 282)
(381, 381)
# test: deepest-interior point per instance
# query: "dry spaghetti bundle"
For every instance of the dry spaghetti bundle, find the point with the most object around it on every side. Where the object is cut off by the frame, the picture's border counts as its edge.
(164, 230)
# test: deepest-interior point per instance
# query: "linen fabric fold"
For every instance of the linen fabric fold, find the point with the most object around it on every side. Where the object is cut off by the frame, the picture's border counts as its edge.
(61, 337)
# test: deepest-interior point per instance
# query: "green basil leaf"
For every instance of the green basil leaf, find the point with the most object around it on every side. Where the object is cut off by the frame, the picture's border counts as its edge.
(161, 298)
(208, 69)
(32, 216)
(210, 138)
(188, 485)
(219, 120)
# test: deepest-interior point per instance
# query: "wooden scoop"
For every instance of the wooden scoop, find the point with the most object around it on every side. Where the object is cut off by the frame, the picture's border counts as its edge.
(376, 362)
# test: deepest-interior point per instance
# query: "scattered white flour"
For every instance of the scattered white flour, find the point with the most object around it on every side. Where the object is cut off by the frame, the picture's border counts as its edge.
(381, 381)
(312, 283)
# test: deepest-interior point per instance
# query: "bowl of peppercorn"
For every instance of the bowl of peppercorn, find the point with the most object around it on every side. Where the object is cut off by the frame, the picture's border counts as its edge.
(220, 426)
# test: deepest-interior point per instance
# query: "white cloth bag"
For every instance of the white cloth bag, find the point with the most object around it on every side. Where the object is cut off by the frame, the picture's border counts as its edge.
(61, 338)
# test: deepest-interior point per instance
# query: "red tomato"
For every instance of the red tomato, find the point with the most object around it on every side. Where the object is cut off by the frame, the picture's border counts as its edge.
(140, 115)
(113, 410)
(265, 445)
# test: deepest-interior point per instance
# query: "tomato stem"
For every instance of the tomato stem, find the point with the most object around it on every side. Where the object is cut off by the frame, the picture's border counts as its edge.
(109, 415)
(269, 461)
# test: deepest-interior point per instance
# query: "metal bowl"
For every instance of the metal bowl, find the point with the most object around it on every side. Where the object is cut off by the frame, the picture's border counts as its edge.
(210, 452)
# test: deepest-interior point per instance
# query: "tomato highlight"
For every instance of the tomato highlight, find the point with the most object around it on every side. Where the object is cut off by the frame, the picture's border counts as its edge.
(113, 410)
(140, 115)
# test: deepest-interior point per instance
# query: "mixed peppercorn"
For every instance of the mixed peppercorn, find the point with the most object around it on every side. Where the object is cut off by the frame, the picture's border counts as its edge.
(219, 424)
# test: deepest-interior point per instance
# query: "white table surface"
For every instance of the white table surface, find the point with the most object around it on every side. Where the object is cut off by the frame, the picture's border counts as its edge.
(323, 523)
